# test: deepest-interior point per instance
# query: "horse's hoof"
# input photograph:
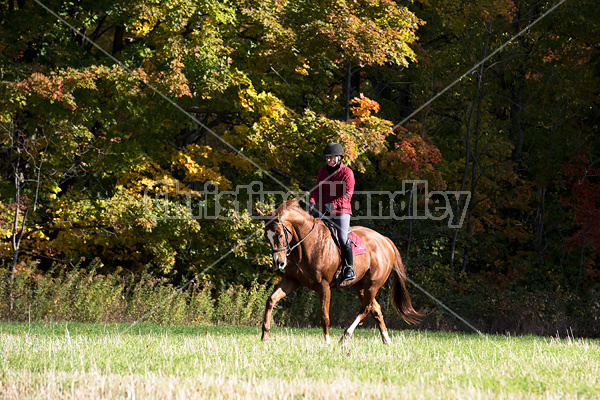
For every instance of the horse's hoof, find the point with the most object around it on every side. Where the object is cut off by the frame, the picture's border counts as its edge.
(344, 338)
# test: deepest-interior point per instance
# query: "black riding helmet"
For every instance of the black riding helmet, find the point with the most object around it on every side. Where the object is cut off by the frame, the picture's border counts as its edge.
(333, 149)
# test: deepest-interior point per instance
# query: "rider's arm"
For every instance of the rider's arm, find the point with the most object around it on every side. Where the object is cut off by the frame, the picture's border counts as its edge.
(348, 180)
(316, 192)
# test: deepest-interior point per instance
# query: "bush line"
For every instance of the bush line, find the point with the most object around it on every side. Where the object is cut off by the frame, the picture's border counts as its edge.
(84, 295)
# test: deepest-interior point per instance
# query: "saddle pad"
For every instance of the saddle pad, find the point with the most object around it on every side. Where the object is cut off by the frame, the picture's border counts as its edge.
(358, 246)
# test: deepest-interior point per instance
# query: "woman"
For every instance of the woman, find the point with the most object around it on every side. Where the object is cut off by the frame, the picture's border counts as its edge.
(333, 191)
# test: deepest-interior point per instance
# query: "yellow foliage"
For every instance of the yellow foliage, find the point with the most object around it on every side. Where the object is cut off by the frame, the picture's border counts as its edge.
(147, 176)
(144, 26)
(245, 97)
(266, 104)
(198, 164)
(302, 70)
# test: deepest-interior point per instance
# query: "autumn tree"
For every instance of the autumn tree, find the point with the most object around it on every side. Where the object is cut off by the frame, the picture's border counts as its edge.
(168, 91)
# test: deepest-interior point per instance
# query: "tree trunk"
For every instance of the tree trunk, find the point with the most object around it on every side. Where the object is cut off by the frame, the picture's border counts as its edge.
(581, 264)
(516, 106)
(79, 36)
(474, 114)
(351, 85)
(16, 235)
(118, 39)
(539, 226)
(348, 90)
(474, 177)
(16, 239)
(410, 222)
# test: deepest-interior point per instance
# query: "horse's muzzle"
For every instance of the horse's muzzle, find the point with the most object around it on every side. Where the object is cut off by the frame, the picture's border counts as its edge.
(279, 264)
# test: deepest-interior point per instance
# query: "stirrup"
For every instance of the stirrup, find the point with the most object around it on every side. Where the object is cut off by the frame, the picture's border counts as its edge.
(348, 276)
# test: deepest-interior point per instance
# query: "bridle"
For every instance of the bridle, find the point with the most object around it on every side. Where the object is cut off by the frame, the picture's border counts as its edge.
(287, 230)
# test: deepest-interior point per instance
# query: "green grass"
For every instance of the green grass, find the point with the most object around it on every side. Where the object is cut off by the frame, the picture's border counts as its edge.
(56, 360)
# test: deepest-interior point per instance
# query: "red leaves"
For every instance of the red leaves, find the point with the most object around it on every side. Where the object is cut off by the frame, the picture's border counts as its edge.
(408, 154)
(581, 181)
(59, 86)
(414, 158)
(505, 9)
(415, 153)
(42, 85)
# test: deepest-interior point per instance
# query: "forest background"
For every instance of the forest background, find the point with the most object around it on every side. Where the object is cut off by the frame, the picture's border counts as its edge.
(413, 90)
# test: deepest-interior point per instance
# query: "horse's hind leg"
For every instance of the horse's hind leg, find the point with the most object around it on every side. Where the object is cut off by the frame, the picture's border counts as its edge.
(285, 287)
(378, 315)
(366, 305)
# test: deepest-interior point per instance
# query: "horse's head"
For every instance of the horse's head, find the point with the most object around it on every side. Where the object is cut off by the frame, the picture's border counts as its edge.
(279, 228)
(279, 236)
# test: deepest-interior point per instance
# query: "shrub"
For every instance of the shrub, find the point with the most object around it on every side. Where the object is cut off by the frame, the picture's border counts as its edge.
(83, 295)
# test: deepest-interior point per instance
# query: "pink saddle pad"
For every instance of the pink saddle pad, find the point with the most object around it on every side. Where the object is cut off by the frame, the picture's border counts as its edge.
(358, 246)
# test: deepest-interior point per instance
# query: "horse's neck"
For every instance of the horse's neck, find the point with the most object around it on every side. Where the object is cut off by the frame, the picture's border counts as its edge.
(317, 244)
(306, 227)
(301, 225)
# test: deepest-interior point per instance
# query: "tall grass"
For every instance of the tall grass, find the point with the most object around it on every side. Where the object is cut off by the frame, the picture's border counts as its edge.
(84, 295)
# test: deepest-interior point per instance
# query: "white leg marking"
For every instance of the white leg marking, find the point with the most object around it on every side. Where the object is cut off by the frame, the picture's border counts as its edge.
(350, 330)
(386, 337)
(327, 340)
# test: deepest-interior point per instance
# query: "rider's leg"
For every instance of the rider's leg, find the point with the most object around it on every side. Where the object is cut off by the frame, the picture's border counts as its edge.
(342, 224)
(348, 268)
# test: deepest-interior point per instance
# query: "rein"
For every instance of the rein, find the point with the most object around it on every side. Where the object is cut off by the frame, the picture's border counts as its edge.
(287, 242)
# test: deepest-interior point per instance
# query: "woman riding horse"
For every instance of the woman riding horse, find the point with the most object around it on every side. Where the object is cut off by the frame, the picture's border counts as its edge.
(333, 191)
(302, 247)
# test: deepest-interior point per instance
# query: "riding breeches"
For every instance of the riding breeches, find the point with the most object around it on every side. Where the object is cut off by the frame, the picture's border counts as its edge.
(342, 225)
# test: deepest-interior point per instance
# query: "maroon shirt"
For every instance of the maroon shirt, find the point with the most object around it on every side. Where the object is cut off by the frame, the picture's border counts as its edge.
(337, 189)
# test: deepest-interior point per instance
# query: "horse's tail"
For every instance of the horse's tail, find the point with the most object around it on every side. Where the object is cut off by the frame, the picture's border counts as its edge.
(399, 295)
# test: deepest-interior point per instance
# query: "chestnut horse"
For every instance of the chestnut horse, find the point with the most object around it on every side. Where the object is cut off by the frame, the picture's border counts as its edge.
(303, 248)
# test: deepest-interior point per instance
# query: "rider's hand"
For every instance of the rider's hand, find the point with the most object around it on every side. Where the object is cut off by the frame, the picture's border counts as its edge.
(329, 208)
(312, 210)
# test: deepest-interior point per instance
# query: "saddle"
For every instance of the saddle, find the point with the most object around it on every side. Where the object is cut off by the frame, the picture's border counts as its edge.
(358, 246)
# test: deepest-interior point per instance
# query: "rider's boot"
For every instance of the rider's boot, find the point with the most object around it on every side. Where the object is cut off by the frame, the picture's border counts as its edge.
(348, 262)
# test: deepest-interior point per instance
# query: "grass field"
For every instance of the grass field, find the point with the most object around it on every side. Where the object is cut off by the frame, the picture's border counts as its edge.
(59, 360)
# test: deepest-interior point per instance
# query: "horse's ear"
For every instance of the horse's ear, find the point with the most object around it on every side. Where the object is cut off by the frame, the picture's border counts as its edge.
(260, 216)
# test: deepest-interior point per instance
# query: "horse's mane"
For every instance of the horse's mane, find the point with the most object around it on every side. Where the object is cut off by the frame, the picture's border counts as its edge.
(292, 204)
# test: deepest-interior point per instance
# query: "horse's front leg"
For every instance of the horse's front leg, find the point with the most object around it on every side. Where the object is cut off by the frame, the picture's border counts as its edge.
(285, 287)
(324, 292)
